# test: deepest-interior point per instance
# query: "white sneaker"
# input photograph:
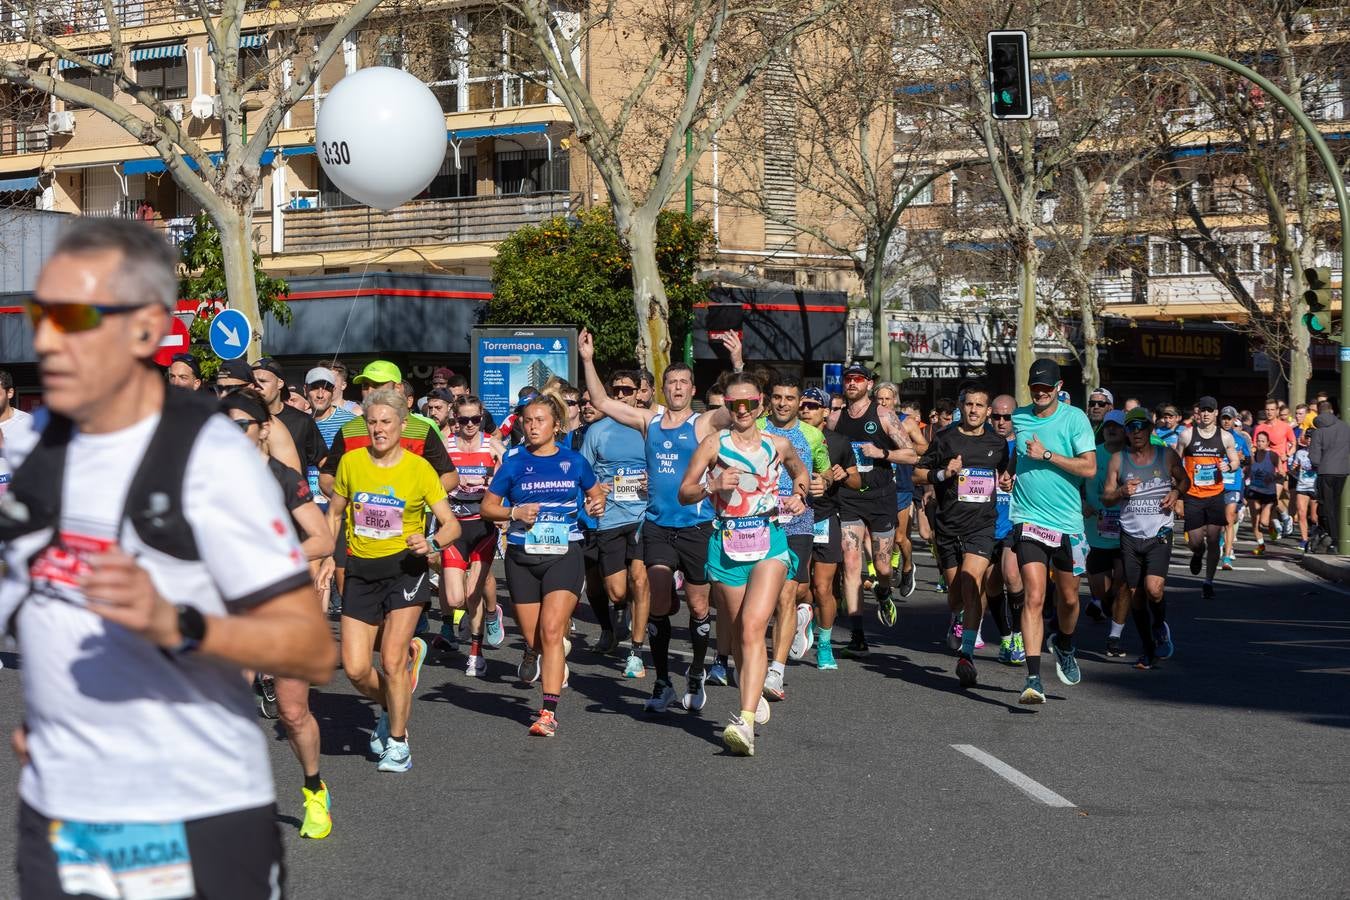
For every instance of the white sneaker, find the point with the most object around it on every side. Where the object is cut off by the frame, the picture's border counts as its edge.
(695, 694)
(476, 667)
(739, 736)
(773, 685)
(802, 638)
(762, 712)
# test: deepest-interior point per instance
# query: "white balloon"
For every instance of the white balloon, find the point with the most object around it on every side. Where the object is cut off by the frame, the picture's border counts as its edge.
(381, 136)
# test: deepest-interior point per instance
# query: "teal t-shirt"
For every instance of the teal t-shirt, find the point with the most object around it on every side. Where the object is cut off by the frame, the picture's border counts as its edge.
(1103, 524)
(1045, 494)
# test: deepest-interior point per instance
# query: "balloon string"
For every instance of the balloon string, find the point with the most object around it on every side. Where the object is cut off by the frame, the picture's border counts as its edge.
(351, 307)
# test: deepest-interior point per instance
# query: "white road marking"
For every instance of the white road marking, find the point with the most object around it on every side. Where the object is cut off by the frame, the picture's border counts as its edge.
(1033, 789)
(1187, 566)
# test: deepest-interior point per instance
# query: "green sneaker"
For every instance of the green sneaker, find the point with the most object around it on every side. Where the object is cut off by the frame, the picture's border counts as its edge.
(825, 655)
(1019, 654)
(1005, 649)
(886, 611)
(1034, 693)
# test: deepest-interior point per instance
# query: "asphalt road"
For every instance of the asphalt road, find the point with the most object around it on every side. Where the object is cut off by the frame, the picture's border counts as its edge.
(1222, 773)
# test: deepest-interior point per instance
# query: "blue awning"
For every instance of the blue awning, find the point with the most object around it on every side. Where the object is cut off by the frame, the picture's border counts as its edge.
(19, 184)
(298, 151)
(163, 51)
(154, 166)
(464, 134)
(98, 59)
(251, 41)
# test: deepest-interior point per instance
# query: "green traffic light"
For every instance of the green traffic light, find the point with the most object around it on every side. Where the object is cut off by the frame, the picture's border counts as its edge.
(1006, 96)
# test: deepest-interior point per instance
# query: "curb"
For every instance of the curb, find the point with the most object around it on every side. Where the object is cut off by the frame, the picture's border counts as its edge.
(1332, 568)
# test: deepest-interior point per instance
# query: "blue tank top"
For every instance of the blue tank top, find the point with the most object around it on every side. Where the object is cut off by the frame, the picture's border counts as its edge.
(1003, 502)
(806, 522)
(669, 451)
(904, 473)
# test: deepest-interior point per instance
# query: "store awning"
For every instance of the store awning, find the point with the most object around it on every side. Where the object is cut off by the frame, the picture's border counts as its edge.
(98, 59)
(468, 134)
(251, 41)
(154, 166)
(162, 51)
(18, 184)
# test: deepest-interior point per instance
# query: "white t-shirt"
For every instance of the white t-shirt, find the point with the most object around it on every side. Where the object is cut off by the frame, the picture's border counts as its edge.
(118, 730)
(19, 438)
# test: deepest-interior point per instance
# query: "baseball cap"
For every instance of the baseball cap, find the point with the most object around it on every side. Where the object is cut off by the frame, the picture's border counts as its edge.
(237, 369)
(1207, 402)
(381, 371)
(1138, 414)
(858, 369)
(190, 361)
(319, 373)
(1044, 371)
(441, 394)
(816, 395)
(271, 365)
(443, 372)
(1115, 417)
(1229, 411)
(1110, 397)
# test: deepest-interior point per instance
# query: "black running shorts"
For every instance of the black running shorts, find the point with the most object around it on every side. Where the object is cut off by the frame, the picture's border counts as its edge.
(685, 549)
(530, 576)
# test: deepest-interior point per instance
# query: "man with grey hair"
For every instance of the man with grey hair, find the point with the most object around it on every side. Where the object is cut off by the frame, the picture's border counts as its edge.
(125, 528)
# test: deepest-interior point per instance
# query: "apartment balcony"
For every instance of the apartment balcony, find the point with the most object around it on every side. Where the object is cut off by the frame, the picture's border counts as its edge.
(17, 138)
(63, 18)
(1112, 290)
(421, 222)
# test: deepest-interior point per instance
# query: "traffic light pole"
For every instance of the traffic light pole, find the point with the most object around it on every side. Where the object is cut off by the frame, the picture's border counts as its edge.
(1323, 153)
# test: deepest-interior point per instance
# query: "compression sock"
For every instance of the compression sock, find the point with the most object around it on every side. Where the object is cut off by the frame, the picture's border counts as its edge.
(551, 703)
(313, 782)
(1016, 600)
(659, 630)
(1159, 611)
(1064, 641)
(1117, 629)
(699, 630)
(855, 622)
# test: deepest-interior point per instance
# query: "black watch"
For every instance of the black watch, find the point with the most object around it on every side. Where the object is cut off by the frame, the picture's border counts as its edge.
(1046, 455)
(192, 628)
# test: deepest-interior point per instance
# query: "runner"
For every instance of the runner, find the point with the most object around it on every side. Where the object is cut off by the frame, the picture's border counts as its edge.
(1167, 425)
(1233, 485)
(321, 389)
(270, 379)
(1283, 442)
(246, 409)
(794, 607)
(674, 536)
(1261, 490)
(133, 612)
(1146, 480)
(543, 483)
(1100, 402)
(1329, 452)
(877, 436)
(1207, 452)
(1055, 453)
(827, 547)
(378, 496)
(903, 554)
(965, 464)
(184, 372)
(1305, 490)
(439, 408)
(1003, 581)
(467, 584)
(618, 455)
(340, 389)
(748, 556)
(1101, 522)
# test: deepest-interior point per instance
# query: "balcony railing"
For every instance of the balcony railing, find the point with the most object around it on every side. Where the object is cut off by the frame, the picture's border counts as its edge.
(66, 17)
(467, 220)
(16, 138)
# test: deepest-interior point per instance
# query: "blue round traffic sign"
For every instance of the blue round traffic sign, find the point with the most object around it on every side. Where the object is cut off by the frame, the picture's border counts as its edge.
(230, 334)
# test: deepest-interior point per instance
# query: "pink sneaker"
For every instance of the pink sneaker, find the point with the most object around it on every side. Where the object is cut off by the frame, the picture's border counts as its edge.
(979, 640)
(954, 635)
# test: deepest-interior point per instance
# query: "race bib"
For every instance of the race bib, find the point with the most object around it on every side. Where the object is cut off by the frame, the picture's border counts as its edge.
(1108, 523)
(745, 540)
(57, 570)
(1047, 536)
(1307, 479)
(976, 485)
(377, 516)
(550, 535)
(472, 479)
(820, 533)
(1232, 480)
(131, 861)
(628, 484)
(5, 479)
(1206, 475)
(864, 461)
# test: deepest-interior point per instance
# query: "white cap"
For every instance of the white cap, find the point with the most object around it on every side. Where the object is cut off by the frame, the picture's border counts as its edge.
(319, 373)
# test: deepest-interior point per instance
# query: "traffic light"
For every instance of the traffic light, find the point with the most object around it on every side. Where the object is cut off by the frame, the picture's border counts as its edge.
(1318, 318)
(1009, 74)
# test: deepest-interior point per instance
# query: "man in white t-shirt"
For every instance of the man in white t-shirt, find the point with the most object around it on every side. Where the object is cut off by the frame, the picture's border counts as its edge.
(16, 426)
(140, 743)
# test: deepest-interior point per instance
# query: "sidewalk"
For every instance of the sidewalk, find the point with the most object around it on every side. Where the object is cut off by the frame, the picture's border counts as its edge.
(1332, 568)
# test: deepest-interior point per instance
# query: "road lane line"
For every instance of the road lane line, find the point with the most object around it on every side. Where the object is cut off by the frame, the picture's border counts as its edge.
(1032, 788)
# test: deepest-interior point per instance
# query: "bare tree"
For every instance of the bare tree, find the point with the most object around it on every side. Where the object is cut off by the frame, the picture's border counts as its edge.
(303, 38)
(631, 116)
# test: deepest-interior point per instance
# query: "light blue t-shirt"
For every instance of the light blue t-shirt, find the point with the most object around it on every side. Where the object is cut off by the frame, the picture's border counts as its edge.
(618, 455)
(1043, 493)
(1232, 479)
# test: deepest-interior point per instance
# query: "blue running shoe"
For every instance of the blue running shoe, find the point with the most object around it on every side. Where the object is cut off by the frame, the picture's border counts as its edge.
(1034, 693)
(495, 633)
(1163, 639)
(1019, 653)
(825, 660)
(717, 674)
(380, 735)
(396, 757)
(1066, 664)
(634, 667)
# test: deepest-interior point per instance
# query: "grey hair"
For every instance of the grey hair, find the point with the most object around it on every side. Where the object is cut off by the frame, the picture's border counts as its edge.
(386, 397)
(886, 386)
(148, 272)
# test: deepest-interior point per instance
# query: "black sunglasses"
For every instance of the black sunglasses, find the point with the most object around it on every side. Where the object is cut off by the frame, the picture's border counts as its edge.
(1136, 426)
(1001, 417)
(808, 405)
(1098, 403)
(1205, 408)
(469, 420)
(624, 391)
(245, 424)
(572, 402)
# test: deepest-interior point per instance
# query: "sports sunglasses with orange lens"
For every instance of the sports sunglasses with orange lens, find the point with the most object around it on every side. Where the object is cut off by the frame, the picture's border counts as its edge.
(71, 318)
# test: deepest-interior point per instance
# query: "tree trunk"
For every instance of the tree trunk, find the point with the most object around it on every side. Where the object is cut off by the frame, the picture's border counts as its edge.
(1300, 361)
(1027, 266)
(873, 271)
(649, 298)
(236, 247)
(1092, 376)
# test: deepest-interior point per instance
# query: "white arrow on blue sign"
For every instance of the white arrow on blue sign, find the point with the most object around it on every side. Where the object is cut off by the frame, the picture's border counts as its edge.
(230, 334)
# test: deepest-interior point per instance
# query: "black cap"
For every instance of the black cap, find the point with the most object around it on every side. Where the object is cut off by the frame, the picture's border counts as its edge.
(270, 365)
(236, 369)
(858, 368)
(1207, 402)
(1044, 371)
(441, 394)
(190, 361)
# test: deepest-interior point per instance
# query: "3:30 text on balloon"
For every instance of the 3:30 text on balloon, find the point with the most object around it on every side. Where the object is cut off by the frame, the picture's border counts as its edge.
(336, 153)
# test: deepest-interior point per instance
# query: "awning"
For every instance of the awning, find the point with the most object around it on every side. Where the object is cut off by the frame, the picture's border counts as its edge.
(297, 151)
(466, 134)
(98, 59)
(163, 51)
(19, 184)
(154, 166)
(251, 41)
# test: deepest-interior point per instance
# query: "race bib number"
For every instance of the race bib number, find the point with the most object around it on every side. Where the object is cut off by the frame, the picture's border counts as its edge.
(1206, 475)
(131, 861)
(1108, 523)
(550, 535)
(57, 570)
(745, 540)
(472, 479)
(820, 533)
(628, 484)
(864, 461)
(1307, 479)
(1047, 536)
(976, 485)
(377, 516)
(1232, 480)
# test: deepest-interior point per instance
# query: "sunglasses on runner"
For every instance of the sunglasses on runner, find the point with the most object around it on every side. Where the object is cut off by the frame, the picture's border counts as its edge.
(623, 390)
(572, 402)
(1001, 417)
(72, 318)
(469, 420)
(1205, 408)
(1136, 426)
(809, 406)
(1098, 403)
(743, 404)
(245, 424)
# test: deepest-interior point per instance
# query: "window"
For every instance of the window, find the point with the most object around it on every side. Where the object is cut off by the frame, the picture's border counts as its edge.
(252, 55)
(925, 195)
(505, 68)
(164, 77)
(89, 80)
(1166, 259)
(329, 194)
(530, 172)
(456, 182)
